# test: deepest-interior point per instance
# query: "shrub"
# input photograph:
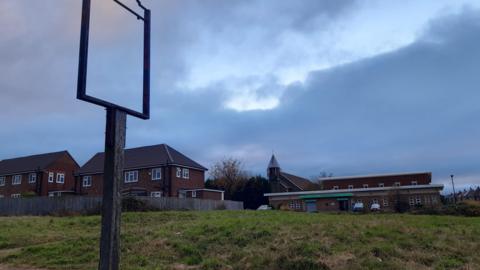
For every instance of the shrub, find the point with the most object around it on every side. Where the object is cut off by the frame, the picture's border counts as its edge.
(465, 208)
(133, 204)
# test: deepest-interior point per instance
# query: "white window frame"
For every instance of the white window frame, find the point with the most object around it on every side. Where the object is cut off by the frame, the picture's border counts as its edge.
(194, 193)
(295, 205)
(411, 201)
(156, 194)
(185, 173)
(397, 184)
(385, 202)
(418, 200)
(179, 172)
(335, 187)
(365, 185)
(2, 181)
(60, 178)
(156, 174)
(16, 180)
(381, 185)
(350, 186)
(131, 176)
(32, 178)
(414, 183)
(15, 195)
(50, 177)
(87, 181)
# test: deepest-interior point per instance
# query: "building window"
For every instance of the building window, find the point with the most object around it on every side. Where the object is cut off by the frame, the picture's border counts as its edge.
(194, 194)
(418, 200)
(16, 195)
(396, 184)
(414, 183)
(426, 200)
(350, 186)
(17, 179)
(131, 176)
(2, 180)
(434, 199)
(411, 201)
(32, 178)
(156, 194)
(186, 173)
(381, 185)
(385, 202)
(50, 177)
(156, 174)
(365, 185)
(87, 181)
(374, 201)
(60, 178)
(295, 205)
(335, 187)
(179, 172)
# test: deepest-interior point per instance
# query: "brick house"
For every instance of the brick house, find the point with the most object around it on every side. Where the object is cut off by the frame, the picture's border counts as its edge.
(47, 174)
(341, 193)
(156, 171)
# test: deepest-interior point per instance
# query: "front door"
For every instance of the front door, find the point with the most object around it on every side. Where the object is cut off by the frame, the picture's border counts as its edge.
(343, 205)
(311, 206)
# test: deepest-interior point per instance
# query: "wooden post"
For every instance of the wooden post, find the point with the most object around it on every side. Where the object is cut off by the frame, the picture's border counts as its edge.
(112, 177)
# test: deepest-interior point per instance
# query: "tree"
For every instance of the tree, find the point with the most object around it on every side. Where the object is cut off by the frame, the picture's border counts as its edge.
(252, 193)
(228, 174)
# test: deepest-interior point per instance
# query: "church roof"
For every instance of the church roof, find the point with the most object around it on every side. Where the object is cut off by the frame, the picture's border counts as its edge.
(273, 163)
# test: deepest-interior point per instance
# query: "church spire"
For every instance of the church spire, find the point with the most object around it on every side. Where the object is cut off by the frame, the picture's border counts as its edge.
(273, 169)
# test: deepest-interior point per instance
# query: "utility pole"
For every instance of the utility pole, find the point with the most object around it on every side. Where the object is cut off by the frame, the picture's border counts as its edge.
(454, 194)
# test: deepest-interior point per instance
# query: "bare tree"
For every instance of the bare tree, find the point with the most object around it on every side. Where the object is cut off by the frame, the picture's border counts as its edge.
(229, 174)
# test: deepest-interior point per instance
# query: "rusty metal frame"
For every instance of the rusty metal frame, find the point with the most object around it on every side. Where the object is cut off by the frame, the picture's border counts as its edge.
(83, 62)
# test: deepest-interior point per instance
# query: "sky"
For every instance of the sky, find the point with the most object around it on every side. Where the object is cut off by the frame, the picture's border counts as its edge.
(345, 87)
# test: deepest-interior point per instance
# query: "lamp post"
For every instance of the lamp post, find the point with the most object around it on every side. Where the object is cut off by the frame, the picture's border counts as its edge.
(454, 194)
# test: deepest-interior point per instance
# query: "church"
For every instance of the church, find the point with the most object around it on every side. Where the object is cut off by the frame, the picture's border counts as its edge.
(409, 190)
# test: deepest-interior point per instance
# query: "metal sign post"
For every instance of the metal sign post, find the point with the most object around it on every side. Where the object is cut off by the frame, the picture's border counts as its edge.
(114, 137)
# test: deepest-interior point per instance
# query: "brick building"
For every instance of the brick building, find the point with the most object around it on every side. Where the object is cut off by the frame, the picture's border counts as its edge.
(285, 182)
(47, 174)
(157, 171)
(341, 193)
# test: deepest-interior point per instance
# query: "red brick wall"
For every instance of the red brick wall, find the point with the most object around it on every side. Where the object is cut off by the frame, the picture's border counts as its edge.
(405, 180)
(205, 194)
(23, 188)
(195, 181)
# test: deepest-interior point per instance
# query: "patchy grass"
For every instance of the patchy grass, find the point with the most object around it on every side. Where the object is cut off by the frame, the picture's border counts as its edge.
(248, 240)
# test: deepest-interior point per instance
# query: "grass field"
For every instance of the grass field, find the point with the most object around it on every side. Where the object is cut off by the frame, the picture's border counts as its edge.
(248, 240)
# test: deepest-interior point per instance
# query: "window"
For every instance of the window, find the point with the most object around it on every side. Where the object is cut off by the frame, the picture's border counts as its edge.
(186, 173)
(156, 174)
(434, 199)
(179, 172)
(16, 195)
(426, 200)
(374, 201)
(350, 186)
(17, 179)
(60, 178)
(411, 201)
(50, 177)
(131, 176)
(385, 202)
(335, 187)
(397, 184)
(2, 180)
(87, 181)
(156, 194)
(418, 200)
(381, 185)
(414, 183)
(32, 178)
(295, 205)
(194, 194)
(365, 185)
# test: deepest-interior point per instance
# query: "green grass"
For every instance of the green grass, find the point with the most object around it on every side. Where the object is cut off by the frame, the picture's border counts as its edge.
(248, 240)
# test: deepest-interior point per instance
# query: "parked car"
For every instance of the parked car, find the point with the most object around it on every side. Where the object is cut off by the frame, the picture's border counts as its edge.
(264, 207)
(375, 207)
(358, 207)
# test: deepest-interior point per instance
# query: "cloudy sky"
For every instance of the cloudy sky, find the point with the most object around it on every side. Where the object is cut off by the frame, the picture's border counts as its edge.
(348, 87)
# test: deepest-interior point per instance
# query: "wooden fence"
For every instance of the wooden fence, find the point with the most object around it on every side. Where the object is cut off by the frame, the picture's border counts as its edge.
(92, 205)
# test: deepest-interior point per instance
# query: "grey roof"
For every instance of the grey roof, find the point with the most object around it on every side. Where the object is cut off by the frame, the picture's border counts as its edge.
(29, 163)
(273, 163)
(143, 157)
